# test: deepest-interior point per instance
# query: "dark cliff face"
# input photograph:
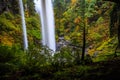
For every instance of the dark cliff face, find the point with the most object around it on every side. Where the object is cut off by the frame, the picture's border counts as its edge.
(9, 5)
(2, 6)
(13, 6)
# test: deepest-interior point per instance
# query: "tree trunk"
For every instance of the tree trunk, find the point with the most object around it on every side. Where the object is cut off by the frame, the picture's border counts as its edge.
(113, 21)
(118, 15)
(84, 28)
(84, 43)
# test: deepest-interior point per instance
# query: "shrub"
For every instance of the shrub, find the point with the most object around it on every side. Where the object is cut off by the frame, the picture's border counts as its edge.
(33, 23)
(6, 55)
(63, 57)
(6, 25)
(7, 15)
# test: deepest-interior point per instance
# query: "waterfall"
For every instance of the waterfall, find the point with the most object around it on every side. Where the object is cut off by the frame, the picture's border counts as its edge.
(23, 25)
(45, 10)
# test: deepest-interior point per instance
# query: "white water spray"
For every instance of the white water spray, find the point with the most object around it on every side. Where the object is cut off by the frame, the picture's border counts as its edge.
(45, 10)
(23, 25)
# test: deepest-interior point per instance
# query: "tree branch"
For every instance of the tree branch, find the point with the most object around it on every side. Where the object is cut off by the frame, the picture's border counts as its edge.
(116, 1)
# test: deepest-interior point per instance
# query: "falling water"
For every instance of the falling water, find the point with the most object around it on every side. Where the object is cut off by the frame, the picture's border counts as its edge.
(45, 10)
(23, 25)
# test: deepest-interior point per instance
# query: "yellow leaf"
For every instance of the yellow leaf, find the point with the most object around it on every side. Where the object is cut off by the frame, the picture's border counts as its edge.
(73, 2)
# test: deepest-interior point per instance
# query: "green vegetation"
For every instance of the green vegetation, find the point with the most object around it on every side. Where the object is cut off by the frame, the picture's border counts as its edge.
(92, 32)
(34, 64)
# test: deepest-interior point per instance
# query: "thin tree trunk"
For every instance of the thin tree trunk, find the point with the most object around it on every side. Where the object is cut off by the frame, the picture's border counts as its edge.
(84, 28)
(84, 43)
